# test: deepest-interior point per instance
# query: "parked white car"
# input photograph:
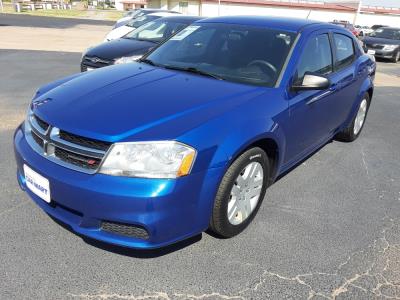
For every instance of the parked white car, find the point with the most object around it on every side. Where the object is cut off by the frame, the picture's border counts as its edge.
(135, 23)
(133, 14)
(126, 18)
(364, 30)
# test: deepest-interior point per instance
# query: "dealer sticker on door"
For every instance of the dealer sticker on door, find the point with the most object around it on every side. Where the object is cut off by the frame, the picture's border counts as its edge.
(37, 184)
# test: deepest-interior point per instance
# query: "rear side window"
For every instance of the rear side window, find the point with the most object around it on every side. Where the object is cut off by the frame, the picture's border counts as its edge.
(344, 50)
(316, 57)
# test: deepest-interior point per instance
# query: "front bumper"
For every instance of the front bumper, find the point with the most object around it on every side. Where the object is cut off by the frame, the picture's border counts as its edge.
(382, 53)
(168, 209)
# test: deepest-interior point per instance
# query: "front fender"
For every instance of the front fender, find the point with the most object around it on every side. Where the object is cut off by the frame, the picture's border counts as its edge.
(241, 139)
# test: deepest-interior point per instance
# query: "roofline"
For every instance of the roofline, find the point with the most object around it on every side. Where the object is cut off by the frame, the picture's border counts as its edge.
(173, 16)
(299, 5)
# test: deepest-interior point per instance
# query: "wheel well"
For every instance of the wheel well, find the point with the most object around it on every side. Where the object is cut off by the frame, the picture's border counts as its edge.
(370, 93)
(271, 148)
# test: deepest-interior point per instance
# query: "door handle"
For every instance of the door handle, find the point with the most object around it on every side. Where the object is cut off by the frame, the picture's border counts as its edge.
(333, 87)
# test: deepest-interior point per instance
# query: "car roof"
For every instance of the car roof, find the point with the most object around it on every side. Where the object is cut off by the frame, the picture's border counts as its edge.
(153, 9)
(172, 17)
(288, 24)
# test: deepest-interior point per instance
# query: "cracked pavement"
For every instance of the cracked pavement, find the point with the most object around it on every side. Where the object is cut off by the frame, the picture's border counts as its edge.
(329, 229)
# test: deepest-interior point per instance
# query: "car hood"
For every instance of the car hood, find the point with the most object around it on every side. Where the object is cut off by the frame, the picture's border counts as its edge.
(119, 102)
(119, 48)
(375, 40)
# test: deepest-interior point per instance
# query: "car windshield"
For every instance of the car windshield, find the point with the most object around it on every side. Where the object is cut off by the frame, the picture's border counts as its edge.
(139, 21)
(238, 53)
(387, 33)
(156, 31)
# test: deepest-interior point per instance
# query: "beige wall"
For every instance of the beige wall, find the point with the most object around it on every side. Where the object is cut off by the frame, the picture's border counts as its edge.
(371, 19)
(154, 4)
(192, 8)
(210, 9)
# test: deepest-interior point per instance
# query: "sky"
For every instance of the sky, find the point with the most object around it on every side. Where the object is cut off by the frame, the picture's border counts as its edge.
(387, 3)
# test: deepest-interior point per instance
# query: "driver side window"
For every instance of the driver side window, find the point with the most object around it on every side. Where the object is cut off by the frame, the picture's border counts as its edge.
(316, 57)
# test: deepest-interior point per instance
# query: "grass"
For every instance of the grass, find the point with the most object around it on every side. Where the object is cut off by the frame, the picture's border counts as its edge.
(110, 15)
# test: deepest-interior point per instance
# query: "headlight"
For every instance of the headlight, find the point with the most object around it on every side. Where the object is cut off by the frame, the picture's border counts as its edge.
(127, 59)
(389, 47)
(164, 159)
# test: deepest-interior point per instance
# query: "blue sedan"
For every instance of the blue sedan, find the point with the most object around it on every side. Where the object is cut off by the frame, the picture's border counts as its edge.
(190, 137)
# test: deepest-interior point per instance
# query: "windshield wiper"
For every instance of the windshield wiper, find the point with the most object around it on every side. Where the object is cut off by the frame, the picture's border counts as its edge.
(147, 61)
(195, 71)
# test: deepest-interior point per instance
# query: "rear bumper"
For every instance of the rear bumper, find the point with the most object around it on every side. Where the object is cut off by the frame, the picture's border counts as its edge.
(169, 210)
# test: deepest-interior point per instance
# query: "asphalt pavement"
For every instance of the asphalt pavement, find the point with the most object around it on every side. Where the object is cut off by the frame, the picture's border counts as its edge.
(329, 229)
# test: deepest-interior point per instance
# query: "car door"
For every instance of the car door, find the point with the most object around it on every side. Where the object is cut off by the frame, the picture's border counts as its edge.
(347, 76)
(311, 111)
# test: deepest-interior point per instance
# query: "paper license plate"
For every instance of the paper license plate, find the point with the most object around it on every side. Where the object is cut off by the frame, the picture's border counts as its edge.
(38, 184)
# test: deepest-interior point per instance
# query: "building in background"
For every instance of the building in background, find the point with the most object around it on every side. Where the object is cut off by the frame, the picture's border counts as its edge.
(317, 10)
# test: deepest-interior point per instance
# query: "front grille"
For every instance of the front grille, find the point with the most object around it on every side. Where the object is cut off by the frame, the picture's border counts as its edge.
(125, 230)
(64, 148)
(38, 139)
(94, 62)
(79, 160)
(44, 125)
(85, 142)
(375, 46)
(84, 68)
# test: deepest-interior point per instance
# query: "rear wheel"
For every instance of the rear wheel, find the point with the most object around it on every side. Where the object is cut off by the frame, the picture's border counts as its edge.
(396, 57)
(354, 129)
(240, 193)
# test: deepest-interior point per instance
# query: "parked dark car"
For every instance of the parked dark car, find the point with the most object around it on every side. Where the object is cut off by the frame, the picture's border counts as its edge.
(136, 43)
(190, 137)
(384, 43)
(375, 27)
(138, 13)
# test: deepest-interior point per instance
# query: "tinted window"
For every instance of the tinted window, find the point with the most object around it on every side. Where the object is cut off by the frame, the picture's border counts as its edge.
(387, 33)
(240, 53)
(316, 57)
(344, 50)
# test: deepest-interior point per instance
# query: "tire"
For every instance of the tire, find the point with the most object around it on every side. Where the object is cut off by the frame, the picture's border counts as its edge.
(353, 131)
(228, 194)
(396, 57)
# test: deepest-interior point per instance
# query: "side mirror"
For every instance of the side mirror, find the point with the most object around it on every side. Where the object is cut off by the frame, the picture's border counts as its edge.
(312, 82)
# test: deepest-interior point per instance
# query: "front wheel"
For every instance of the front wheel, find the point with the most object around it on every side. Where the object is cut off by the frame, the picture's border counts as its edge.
(352, 132)
(240, 193)
(396, 56)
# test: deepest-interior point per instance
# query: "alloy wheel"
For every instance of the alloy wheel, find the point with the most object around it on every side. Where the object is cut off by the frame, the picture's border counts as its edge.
(360, 118)
(245, 193)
